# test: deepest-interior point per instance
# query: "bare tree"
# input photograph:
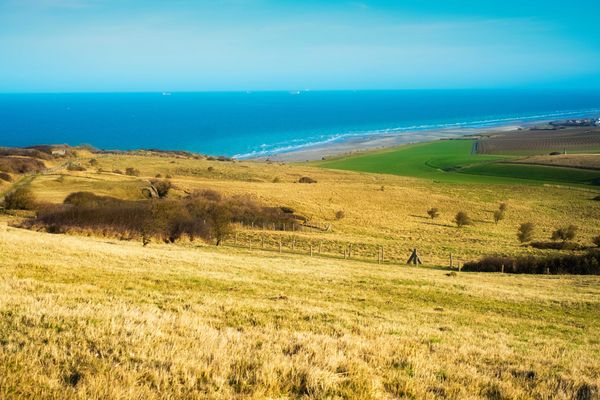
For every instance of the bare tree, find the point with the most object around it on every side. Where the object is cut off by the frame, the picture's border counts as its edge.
(525, 233)
(433, 213)
(462, 219)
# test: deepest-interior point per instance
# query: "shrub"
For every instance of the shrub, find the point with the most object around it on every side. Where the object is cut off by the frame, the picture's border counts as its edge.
(93, 162)
(597, 198)
(525, 232)
(498, 216)
(20, 165)
(433, 213)
(5, 177)
(20, 199)
(205, 214)
(596, 240)
(162, 187)
(503, 207)
(565, 234)
(556, 246)
(132, 171)
(117, 171)
(158, 176)
(75, 167)
(462, 218)
(276, 180)
(306, 179)
(340, 215)
(586, 264)
(211, 169)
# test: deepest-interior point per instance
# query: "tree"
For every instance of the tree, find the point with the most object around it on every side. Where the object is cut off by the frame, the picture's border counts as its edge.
(565, 234)
(433, 212)
(525, 233)
(503, 207)
(498, 216)
(220, 222)
(462, 218)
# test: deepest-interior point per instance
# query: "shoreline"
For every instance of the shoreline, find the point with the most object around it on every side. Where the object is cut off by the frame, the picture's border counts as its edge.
(383, 141)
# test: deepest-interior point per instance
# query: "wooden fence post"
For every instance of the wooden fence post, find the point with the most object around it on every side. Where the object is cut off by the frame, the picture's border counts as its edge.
(311, 250)
(382, 255)
(262, 242)
(350, 250)
(450, 260)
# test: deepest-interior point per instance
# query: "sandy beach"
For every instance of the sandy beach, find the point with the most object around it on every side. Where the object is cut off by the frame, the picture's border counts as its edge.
(381, 141)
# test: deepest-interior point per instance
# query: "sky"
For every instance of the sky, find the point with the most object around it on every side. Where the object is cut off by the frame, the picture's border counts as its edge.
(222, 45)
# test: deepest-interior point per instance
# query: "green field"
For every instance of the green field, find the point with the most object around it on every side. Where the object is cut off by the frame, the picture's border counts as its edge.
(453, 161)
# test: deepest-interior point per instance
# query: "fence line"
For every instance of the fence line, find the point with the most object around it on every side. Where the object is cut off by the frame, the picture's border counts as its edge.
(284, 242)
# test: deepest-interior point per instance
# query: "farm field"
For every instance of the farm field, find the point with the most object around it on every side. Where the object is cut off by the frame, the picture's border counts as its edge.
(544, 141)
(454, 161)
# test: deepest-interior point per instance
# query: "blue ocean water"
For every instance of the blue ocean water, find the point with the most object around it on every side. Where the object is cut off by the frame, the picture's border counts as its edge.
(247, 124)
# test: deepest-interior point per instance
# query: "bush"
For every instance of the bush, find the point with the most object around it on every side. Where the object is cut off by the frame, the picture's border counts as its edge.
(433, 213)
(75, 167)
(525, 233)
(117, 171)
(306, 179)
(20, 165)
(340, 215)
(587, 264)
(162, 187)
(565, 234)
(20, 199)
(462, 218)
(205, 214)
(93, 162)
(5, 177)
(132, 171)
(503, 207)
(556, 246)
(596, 240)
(498, 216)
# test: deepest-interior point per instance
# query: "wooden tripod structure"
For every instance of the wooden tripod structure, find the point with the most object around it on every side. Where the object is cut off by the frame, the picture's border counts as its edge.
(414, 258)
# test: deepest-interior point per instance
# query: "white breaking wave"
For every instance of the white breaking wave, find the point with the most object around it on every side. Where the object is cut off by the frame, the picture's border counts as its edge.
(313, 141)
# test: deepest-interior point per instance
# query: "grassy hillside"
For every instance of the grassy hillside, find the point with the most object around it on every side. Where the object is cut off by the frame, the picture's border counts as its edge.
(97, 318)
(453, 161)
(394, 217)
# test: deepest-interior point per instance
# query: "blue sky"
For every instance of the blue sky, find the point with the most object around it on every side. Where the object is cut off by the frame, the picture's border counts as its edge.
(187, 45)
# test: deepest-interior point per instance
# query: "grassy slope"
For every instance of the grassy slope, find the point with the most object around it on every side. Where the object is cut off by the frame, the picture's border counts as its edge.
(452, 161)
(395, 217)
(88, 318)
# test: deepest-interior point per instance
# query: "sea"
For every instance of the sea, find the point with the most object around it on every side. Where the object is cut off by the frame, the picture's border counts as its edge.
(259, 124)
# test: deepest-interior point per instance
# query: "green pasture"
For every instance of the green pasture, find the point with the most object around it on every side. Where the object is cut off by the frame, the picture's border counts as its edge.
(453, 161)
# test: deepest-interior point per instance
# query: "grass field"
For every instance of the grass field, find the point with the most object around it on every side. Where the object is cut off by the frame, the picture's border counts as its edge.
(453, 161)
(98, 317)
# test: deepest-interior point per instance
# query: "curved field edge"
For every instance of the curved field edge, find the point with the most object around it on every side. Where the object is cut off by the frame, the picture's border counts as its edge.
(89, 318)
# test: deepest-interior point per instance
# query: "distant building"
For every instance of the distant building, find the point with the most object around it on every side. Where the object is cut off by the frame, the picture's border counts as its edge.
(59, 152)
(597, 123)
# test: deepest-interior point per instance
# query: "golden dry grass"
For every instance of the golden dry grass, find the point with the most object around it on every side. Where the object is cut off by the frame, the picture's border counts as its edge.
(89, 317)
(92, 318)
(395, 217)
